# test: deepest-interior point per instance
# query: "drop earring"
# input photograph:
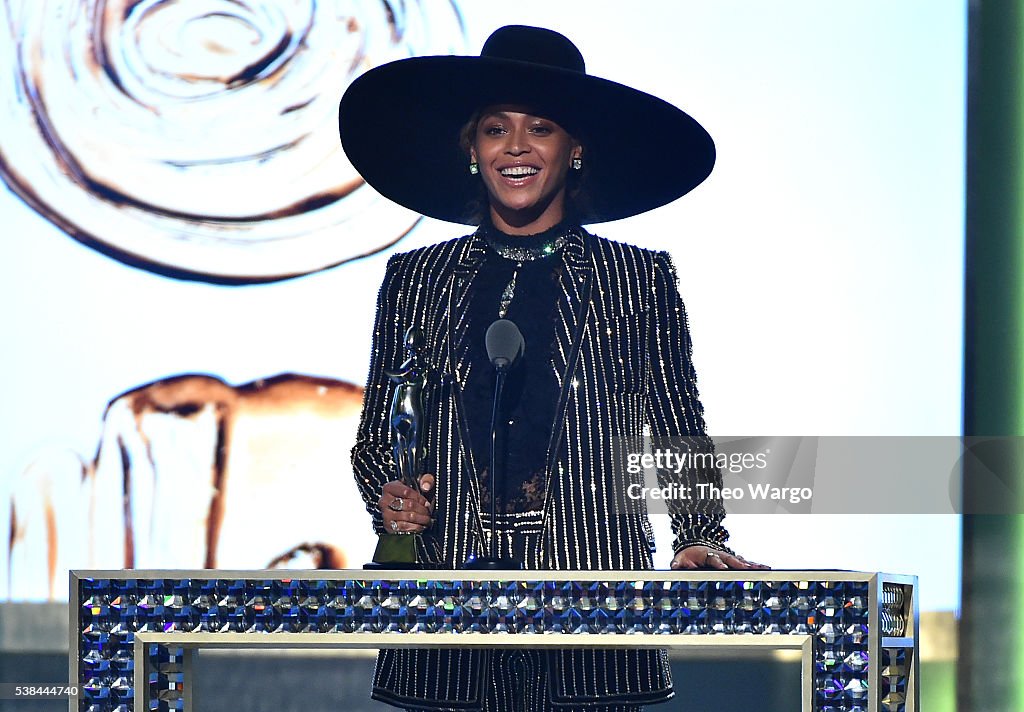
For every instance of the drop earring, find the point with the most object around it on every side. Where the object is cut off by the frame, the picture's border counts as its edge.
(577, 163)
(474, 168)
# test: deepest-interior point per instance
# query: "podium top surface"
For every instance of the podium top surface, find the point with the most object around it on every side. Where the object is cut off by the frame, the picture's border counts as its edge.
(514, 575)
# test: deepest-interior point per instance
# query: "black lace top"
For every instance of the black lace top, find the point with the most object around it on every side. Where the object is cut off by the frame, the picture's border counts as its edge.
(524, 285)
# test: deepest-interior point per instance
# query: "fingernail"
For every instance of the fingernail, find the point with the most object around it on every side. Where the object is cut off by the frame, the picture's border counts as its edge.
(427, 486)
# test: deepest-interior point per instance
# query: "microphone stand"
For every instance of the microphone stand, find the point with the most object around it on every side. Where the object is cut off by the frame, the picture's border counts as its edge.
(494, 562)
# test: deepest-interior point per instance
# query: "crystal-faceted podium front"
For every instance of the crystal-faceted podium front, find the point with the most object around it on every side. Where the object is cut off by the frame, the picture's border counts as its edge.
(134, 633)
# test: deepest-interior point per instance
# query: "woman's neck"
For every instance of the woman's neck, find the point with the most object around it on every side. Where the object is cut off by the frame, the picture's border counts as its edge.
(516, 223)
(499, 234)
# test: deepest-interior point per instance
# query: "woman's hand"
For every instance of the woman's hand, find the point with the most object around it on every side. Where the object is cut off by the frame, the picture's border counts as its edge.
(404, 510)
(705, 557)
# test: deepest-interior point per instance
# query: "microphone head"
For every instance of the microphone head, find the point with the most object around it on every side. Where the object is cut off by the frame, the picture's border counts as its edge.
(504, 343)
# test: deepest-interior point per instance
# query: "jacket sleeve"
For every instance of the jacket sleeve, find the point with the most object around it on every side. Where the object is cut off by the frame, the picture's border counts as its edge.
(372, 460)
(676, 416)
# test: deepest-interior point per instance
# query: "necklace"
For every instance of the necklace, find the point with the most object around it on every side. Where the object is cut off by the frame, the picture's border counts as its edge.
(527, 253)
(508, 293)
(524, 248)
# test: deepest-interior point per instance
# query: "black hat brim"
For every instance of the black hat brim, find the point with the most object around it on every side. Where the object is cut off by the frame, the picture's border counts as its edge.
(400, 123)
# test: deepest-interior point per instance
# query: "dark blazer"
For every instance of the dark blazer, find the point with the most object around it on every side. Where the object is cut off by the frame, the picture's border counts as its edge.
(622, 360)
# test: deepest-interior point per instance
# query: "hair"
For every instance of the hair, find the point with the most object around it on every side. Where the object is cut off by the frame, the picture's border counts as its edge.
(575, 185)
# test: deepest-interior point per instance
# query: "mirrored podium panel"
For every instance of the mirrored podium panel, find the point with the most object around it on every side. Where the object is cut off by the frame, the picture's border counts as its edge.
(134, 634)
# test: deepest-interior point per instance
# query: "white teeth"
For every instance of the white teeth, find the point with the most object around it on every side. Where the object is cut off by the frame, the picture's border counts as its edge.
(519, 171)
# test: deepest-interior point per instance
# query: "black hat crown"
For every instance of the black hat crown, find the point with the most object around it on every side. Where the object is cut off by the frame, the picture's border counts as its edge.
(535, 45)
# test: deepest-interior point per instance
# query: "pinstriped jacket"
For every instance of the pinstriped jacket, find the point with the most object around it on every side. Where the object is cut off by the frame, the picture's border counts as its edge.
(621, 357)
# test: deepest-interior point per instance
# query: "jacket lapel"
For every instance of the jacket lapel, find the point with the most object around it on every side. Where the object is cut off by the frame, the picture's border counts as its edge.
(576, 282)
(465, 271)
(457, 316)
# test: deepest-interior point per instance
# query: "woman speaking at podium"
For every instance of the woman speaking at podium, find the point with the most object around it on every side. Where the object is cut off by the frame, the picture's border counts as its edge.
(524, 146)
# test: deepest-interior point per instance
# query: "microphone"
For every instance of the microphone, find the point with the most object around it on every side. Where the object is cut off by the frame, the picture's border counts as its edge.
(505, 345)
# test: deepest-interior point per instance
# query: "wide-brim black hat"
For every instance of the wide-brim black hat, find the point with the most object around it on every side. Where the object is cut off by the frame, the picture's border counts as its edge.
(400, 126)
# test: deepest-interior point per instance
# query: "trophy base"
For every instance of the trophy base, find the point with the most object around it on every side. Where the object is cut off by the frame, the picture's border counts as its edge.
(394, 551)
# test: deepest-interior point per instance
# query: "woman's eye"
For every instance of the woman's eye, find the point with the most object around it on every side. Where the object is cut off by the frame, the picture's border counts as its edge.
(543, 130)
(494, 130)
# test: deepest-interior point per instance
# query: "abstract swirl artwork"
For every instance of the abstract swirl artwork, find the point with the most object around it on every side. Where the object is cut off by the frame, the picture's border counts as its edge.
(198, 138)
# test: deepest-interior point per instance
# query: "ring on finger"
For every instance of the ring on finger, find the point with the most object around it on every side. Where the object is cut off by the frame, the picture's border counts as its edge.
(711, 554)
(396, 504)
(394, 526)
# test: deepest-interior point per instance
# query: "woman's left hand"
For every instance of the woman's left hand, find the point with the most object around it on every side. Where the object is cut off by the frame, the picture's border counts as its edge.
(705, 557)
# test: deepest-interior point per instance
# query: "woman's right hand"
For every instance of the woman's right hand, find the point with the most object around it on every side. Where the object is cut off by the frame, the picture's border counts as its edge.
(404, 510)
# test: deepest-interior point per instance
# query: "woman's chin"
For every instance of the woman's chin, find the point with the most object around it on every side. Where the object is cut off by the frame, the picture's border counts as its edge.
(525, 213)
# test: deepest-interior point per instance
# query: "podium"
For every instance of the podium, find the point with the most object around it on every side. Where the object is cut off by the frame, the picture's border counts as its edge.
(135, 634)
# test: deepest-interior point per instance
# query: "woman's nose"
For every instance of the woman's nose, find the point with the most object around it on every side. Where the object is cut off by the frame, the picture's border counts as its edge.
(517, 143)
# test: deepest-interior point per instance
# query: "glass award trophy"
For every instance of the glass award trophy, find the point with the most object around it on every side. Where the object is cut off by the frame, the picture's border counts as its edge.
(408, 433)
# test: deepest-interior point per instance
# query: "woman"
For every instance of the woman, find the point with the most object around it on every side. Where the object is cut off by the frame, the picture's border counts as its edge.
(524, 144)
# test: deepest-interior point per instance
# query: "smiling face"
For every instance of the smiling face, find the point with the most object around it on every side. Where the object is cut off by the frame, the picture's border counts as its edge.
(524, 160)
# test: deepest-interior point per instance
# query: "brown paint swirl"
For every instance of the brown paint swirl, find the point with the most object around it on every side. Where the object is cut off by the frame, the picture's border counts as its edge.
(198, 138)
